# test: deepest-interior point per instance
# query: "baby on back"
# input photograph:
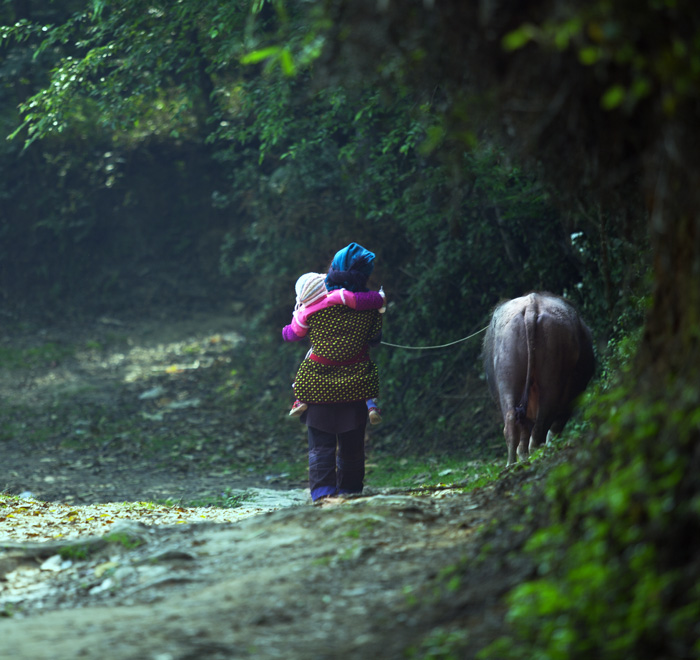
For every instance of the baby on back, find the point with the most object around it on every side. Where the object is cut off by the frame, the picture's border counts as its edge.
(311, 297)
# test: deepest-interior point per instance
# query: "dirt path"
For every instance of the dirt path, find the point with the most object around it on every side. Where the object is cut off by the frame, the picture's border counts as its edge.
(111, 410)
(275, 578)
(368, 577)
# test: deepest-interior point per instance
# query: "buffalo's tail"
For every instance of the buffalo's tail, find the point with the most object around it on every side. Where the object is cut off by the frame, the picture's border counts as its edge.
(530, 321)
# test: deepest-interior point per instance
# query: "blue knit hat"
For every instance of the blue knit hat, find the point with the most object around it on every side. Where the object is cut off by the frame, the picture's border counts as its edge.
(350, 269)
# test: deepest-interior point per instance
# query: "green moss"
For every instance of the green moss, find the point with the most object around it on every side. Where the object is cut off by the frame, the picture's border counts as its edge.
(128, 541)
(441, 644)
(229, 499)
(75, 552)
(36, 356)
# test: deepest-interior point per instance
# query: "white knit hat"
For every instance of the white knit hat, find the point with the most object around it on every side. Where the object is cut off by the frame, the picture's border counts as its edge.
(309, 288)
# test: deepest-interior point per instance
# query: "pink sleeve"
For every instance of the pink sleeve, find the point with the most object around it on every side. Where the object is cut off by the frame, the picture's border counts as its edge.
(341, 297)
(370, 300)
(301, 315)
(298, 325)
(333, 298)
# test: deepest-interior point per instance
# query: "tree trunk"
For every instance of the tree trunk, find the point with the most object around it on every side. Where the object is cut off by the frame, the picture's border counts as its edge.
(670, 347)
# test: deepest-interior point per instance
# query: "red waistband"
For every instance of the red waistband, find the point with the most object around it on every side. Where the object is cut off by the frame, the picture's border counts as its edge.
(362, 357)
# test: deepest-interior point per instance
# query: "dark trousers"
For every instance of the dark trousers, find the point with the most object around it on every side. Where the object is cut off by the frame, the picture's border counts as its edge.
(336, 462)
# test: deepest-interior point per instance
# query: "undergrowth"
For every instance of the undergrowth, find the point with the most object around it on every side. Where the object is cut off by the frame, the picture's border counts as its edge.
(616, 535)
(617, 568)
(415, 472)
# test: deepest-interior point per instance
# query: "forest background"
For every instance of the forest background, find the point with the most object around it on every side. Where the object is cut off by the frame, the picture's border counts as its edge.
(171, 153)
(163, 159)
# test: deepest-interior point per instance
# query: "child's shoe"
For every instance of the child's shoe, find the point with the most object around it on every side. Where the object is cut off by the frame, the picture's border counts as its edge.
(375, 416)
(297, 408)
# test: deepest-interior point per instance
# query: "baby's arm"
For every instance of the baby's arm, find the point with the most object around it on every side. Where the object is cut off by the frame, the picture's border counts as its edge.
(361, 301)
(295, 330)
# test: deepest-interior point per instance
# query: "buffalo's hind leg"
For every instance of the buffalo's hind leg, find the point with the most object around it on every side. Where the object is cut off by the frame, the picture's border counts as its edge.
(517, 437)
(523, 449)
(539, 435)
(556, 428)
(511, 431)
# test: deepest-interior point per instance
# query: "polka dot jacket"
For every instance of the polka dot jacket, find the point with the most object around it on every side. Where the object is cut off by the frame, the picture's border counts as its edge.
(343, 373)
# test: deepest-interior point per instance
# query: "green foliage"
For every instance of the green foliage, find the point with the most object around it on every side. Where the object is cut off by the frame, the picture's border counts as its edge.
(606, 35)
(441, 644)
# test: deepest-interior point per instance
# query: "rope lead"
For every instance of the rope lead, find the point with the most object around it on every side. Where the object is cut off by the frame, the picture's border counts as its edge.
(429, 348)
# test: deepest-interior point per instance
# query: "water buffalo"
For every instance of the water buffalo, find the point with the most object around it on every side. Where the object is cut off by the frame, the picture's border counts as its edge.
(538, 357)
